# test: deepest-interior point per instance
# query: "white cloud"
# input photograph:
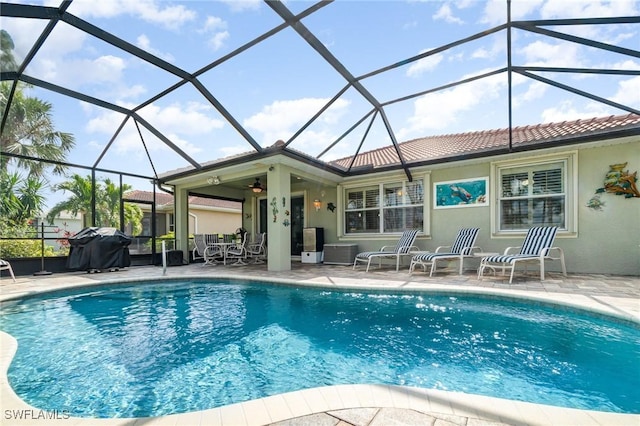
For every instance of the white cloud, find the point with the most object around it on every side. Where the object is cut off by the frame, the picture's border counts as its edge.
(535, 90)
(216, 29)
(179, 122)
(562, 54)
(213, 24)
(77, 73)
(445, 14)
(436, 111)
(186, 119)
(282, 118)
(24, 32)
(242, 5)
(172, 17)
(495, 11)
(426, 64)
(624, 65)
(566, 111)
(588, 8)
(228, 151)
(144, 43)
(217, 40)
(628, 93)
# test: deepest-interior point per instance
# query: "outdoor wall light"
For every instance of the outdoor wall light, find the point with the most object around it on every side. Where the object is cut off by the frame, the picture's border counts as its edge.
(317, 204)
(213, 180)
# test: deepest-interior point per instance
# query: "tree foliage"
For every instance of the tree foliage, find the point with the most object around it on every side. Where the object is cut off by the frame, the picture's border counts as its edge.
(7, 60)
(22, 199)
(107, 210)
(28, 130)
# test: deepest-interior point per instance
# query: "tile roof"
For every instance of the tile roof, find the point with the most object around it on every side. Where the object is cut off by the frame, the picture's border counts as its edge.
(163, 199)
(453, 145)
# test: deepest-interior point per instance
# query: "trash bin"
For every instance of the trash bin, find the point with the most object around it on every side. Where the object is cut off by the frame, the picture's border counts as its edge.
(95, 249)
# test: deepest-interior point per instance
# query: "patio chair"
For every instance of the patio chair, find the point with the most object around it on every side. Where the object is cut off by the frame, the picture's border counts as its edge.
(200, 246)
(403, 248)
(238, 251)
(258, 249)
(6, 266)
(463, 246)
(536, 248)
(212, 252)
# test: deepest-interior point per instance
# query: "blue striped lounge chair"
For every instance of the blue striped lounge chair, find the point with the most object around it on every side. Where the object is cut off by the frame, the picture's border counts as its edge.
(463, 246)
(536, 248)
(404, 247)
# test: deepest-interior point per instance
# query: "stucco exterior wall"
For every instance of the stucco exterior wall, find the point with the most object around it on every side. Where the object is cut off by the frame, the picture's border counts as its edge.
(213, 222)
(607, 240)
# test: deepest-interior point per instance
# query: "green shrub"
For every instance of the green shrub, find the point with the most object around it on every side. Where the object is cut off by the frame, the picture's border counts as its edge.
(10, 249)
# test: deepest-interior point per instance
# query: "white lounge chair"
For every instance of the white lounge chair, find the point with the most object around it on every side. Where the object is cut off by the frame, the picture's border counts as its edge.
(404, 247)
(463, 246)
(6, 266)
(536, 248)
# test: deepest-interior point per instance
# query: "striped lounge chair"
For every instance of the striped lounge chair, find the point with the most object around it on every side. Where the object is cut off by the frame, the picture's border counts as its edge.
(402, 248)
(463, 246)
(536, 248)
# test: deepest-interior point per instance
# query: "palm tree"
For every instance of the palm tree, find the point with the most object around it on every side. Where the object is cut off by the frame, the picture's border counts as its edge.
(21, 199)
(107, 203)
(7, 60)
(28, 129)
(78, 202)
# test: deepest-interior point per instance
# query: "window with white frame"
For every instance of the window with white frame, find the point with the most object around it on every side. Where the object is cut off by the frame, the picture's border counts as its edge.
(389, 207)
(534, 194)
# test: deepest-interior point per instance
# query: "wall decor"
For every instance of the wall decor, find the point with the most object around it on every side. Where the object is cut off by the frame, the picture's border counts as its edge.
(331, 207)
(274, 209)
(461, 193)
(620, 182)
(595, 203)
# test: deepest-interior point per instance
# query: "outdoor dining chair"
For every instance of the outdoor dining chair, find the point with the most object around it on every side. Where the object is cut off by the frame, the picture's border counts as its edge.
(238, 251)
(257, 250)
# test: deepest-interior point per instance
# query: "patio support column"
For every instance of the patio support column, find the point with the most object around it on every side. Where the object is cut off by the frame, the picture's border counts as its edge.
(181, 221)
(278, 227)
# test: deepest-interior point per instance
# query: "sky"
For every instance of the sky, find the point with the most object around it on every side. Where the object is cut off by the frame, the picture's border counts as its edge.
(275, 87)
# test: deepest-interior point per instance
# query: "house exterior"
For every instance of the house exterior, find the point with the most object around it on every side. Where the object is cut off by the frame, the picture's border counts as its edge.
(205, 215)
(579, 175)
(64, 225)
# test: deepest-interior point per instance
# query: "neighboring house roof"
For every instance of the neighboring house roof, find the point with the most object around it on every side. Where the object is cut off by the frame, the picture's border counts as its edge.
(163, 199)
(454, 145)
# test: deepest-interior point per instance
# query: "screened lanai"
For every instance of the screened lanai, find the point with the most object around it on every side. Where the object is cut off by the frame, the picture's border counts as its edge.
(156, 91)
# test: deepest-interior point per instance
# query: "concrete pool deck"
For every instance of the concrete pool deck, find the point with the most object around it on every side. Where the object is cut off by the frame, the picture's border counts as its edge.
(345, 405)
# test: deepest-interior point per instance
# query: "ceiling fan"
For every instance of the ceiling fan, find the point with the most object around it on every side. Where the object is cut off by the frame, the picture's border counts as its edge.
(257, 186)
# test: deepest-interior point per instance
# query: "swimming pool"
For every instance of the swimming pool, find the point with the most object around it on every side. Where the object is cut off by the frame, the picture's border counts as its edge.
(169, 347)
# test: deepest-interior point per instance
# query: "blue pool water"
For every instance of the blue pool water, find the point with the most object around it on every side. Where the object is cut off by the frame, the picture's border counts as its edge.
(170, 347)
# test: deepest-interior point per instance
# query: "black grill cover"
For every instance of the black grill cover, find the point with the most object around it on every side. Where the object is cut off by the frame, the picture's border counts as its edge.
(99, 248)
